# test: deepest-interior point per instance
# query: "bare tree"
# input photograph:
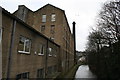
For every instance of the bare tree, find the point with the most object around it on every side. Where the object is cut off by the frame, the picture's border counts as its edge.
(109, 20)
(108, 26)
(95, 41)
(102, 58)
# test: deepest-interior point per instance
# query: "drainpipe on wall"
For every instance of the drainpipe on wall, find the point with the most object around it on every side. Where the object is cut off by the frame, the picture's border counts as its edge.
(10, 49)
(46, 60)
(74, 36)
(1, 43)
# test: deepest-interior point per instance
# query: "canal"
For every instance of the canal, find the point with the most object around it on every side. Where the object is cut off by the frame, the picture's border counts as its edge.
(83, 73)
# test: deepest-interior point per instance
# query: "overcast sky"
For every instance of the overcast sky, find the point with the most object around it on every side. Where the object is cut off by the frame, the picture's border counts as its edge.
(83, 12)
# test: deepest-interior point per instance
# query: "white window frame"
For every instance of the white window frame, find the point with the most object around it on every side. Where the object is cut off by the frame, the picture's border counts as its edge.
(25, 45)
(42, 49)
(44, 17)
(50, 51)
(53, 17)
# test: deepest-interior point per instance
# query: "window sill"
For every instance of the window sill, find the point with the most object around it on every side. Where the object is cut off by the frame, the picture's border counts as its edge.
(43, 21)
(53, 21)
(39, 54)
(24, 52)
(50, 55)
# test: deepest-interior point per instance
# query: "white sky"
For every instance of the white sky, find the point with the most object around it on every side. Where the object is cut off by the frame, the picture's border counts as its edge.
(83, 12)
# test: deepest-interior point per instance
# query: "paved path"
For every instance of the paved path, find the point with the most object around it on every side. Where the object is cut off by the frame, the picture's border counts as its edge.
(83, 73)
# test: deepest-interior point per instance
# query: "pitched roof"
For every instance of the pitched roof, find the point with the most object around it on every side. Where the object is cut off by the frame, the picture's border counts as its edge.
(48, 5)
(26, 25)
(54, 7)
(58, 9)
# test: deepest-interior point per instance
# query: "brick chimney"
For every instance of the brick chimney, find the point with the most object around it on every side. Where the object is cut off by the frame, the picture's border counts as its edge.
(74, 36)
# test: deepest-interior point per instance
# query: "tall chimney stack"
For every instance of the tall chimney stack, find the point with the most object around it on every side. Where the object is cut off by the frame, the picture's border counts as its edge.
(74, 36)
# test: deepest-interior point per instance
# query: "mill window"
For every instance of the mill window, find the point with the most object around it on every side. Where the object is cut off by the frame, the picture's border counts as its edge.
(23, 76)
(41, 49)
(42, 28)
(53, 16)
(44, 18)
(40, 73)
(24, 45)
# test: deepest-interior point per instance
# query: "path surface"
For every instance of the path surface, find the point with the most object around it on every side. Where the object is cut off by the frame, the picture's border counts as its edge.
(83, 73)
